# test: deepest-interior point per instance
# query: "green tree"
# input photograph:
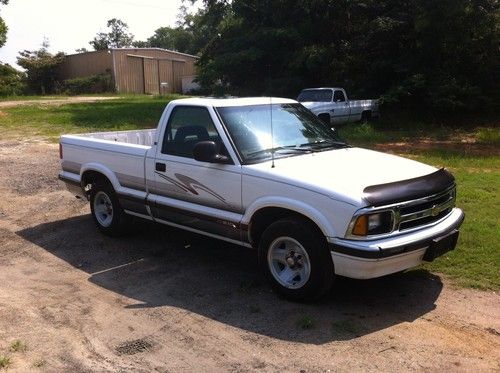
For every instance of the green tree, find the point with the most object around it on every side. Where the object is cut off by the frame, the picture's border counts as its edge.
(439, 54)
(118, 36)
(205, 23)
(3, 26)
(140, 44)
(81, 50)
(12, 81)
(173, 38)
(41, 68)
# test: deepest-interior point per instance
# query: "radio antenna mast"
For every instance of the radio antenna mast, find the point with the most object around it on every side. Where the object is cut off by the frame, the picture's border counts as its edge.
(271, 115)
(272, 132)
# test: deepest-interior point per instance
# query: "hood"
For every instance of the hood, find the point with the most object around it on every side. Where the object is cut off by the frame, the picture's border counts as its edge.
(342, 174)
(314, 105)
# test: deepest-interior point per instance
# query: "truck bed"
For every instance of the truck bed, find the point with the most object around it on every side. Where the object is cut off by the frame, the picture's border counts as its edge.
(119, 155)
(136, 137)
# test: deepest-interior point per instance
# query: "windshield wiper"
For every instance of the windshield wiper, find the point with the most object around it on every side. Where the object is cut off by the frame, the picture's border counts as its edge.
(291, 149)
(324, 144)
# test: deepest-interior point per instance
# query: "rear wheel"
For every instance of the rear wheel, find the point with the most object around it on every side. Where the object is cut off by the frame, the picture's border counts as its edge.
(295, 259)
(366, 116)
(107, 213)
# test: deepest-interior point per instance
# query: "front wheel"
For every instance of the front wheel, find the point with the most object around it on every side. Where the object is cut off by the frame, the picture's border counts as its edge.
(106, 210)
(325, 118)
(295, 259)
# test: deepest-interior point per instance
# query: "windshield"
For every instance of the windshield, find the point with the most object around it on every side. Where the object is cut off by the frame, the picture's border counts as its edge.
(315, 95)
(295, 130)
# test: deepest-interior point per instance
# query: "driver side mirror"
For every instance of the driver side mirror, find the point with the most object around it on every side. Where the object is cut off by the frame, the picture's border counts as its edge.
(206, 151)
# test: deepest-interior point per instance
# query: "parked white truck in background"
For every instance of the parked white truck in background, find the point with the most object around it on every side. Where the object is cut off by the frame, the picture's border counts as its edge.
(313, 206)
(332, 105)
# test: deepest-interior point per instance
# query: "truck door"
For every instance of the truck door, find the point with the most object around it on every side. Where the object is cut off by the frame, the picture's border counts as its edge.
(200, 195)
(342, 110)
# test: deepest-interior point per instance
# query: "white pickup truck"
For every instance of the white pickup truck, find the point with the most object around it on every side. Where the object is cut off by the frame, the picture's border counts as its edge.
(313, 206)
(332, 105)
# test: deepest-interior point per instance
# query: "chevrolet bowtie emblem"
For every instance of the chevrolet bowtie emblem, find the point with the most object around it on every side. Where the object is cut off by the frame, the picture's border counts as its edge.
(435, 210)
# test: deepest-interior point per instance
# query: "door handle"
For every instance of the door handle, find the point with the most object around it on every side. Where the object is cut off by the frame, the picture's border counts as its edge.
(162, 167)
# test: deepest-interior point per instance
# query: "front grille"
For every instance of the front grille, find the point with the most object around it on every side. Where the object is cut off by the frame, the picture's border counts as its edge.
(425, 211)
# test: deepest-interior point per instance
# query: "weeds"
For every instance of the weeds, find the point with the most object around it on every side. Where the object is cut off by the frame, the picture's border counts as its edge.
(39, 363)
(305, 322)
(4, 362)
(17, 346)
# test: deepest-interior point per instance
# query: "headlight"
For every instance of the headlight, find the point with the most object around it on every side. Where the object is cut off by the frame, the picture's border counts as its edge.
(373, 224)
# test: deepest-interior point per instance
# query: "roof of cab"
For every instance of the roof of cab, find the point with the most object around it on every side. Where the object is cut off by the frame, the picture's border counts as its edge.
(223, 102)
(312, 89)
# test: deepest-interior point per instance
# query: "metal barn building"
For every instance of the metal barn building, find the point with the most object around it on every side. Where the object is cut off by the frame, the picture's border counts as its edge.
(135, 70)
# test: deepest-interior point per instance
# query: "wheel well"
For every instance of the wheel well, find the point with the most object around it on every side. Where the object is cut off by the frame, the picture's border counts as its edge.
(264, 217)
(366, 114)
(91, 177)
(325, 117)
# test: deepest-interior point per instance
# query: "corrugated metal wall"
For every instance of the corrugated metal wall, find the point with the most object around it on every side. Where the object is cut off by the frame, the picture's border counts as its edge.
(141, 70)
(86, 64)
(144, 70)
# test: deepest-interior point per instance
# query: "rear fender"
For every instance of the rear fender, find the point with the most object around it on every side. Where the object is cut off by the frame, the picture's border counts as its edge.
(97, 167)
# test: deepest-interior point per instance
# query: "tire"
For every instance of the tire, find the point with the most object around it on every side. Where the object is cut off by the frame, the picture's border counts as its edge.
(366, 116)
(106, 210)
(325, 118)
(291, 247)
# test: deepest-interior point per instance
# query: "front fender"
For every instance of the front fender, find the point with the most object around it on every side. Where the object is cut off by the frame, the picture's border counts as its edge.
(299, 207)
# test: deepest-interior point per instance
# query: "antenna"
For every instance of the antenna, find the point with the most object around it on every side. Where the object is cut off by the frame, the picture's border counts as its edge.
(272, 132)
(271, 114)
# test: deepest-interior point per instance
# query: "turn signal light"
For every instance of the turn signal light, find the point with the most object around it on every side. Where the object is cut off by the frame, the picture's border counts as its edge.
(373, 224)
(361, 226)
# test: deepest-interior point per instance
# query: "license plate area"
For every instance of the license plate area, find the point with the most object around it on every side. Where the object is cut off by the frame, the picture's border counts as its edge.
(441, 245)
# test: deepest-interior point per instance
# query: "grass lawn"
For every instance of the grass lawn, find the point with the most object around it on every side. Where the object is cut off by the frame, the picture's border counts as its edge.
(472, 155)
(50, 121)
(476, 260)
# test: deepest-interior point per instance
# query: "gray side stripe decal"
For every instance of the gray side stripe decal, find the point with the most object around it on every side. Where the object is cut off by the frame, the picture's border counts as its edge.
(190, 185)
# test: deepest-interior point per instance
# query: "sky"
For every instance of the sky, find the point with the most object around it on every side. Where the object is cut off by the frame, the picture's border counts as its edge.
(71, 24)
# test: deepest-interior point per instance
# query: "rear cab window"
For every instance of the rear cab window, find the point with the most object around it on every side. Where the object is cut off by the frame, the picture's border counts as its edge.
(187, 126)
(338, 96)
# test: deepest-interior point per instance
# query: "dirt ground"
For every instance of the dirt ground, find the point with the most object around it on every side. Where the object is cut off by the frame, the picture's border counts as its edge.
(464, 147)
(55, 101)
(165, 300)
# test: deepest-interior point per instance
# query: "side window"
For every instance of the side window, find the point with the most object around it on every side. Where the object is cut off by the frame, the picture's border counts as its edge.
(187, 126)
(338, 96)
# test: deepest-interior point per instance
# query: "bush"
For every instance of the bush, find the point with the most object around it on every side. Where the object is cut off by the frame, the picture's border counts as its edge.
(12, 81)
(100, 83)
